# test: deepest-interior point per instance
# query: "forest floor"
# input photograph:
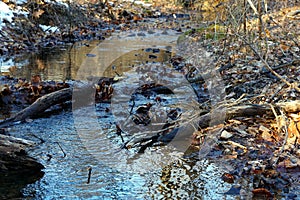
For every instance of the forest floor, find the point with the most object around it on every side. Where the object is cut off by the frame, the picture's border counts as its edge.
(257, 68)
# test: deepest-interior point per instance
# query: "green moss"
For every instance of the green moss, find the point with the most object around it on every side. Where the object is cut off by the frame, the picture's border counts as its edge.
(215, 32)
(147, 12)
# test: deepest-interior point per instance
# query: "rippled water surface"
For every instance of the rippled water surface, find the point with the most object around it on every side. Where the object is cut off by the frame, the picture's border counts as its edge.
(71, 143)
(66, 173)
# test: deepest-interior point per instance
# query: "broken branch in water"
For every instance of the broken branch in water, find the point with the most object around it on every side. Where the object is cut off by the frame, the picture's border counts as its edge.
(64, 154)
(89, 175)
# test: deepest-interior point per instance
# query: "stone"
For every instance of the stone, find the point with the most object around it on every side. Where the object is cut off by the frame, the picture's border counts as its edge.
(226, 135)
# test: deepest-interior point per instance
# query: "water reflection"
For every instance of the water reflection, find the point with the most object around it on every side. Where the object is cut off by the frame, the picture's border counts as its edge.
(64, 62)
(58, 63)
(66, 177)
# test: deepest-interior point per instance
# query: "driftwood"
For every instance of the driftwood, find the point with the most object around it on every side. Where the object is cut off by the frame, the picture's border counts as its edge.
(39, 106)
(84, 95)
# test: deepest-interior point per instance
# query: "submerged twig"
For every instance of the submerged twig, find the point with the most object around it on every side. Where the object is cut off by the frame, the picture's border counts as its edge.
(64, 154)
(89, 175)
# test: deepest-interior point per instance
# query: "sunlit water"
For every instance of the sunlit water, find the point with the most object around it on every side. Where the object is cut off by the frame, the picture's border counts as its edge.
(72, 142)
(66, 173)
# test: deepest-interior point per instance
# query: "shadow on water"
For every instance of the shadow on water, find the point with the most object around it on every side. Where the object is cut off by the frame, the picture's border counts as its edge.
(11, 184)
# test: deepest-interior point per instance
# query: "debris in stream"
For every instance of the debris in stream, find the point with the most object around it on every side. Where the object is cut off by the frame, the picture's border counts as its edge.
(23, 92)
(104, 89)
(89, 175)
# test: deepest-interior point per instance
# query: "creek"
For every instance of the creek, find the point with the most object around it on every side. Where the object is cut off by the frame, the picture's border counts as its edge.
(73, 142)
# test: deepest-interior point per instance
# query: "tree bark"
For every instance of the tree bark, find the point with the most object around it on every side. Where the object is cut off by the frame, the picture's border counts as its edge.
(245, 111)
(39, 106)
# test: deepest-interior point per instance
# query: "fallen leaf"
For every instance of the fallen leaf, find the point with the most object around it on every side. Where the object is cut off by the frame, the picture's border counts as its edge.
(261, 193)
(228, 178)
(226, 135)
(38, 13)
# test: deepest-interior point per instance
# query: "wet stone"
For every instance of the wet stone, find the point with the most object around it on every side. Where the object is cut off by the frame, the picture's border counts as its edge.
(141, 34)
(226, 135)
(152, 56)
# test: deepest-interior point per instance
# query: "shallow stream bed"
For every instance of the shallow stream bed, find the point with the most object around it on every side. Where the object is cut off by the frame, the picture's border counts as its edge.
(115, 173)
(79, 147)
(67, 160)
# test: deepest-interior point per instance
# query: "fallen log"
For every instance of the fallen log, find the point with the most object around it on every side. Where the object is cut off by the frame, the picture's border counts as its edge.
(45, 102)
(82, 94)
(39, 106)
(244, 111)
(17, 169)
(13, 156)
(219, 116)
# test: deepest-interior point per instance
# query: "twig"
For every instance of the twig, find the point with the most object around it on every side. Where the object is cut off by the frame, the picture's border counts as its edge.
(41, 139)
(285, 130)
(274, 112)
(61, 149)
(294, 62)
(89, 175)
(268, 66)
(279, 88)
(132, 106)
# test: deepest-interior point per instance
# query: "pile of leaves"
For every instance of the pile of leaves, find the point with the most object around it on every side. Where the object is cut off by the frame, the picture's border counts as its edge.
(261, 69)
(23, 92)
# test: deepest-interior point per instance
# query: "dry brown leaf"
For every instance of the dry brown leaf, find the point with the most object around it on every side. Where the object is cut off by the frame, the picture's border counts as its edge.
(36, 79)
(262, 192)
(40, 64)
(284, 47)
(38, 13)
(228, 178)
(267, 136)
(294, 129)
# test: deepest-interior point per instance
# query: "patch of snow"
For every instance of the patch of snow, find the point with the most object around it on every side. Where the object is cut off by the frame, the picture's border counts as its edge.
(5, 13)
(49, 29)
(60, 2)
(19, 2)
(143, 3)
(7, 64)
(140, 3)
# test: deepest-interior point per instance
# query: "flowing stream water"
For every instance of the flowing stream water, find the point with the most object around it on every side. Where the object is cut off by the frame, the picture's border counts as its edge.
(72, 143)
